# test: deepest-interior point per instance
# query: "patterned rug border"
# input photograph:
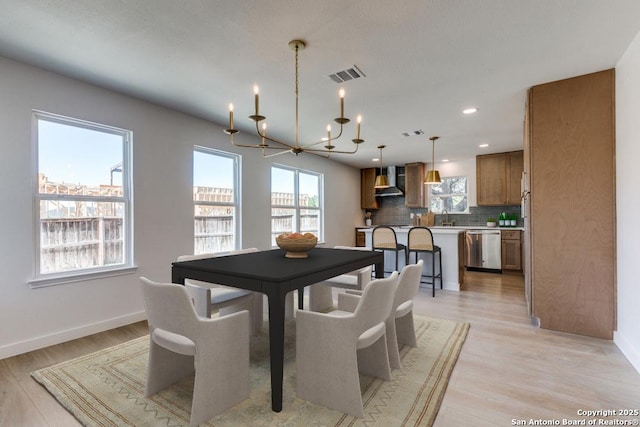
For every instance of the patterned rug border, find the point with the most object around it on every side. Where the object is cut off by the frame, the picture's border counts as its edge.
(378, 395)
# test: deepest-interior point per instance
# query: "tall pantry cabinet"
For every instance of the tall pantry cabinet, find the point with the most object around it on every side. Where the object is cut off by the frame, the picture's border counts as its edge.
(570, 174)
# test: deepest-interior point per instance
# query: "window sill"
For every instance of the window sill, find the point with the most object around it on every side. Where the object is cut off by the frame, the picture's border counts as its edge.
(80, 277)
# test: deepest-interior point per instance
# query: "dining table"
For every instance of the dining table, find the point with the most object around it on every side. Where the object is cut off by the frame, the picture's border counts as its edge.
(270, 272)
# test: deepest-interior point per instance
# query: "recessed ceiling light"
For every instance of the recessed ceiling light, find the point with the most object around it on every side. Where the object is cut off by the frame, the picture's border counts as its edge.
(483, 145)
(445, 160)
(375, 159)
(470, 110)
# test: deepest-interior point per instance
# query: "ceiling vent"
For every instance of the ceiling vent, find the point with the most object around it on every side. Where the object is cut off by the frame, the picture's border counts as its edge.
(346, 75)
(413, 132)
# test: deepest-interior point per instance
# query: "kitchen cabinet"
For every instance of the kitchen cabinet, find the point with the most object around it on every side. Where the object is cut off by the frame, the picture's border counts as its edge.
(570, 211)
(511, 250)
(360, 238)
(414, 191)
(498, 178)
(367, 191)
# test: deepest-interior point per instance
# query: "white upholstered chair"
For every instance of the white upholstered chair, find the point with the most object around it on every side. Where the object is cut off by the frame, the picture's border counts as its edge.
(331, 348)
(399, 325)
(320, 294)
(210, 297)
(400, 328)
(181, 342)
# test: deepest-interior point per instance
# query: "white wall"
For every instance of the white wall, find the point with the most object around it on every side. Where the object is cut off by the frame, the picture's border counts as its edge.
(163, 140)
(627, 336)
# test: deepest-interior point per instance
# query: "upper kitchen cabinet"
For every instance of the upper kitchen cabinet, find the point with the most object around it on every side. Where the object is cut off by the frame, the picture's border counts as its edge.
(571, 207)
(414, 192)
(498, 178)
(367, 191)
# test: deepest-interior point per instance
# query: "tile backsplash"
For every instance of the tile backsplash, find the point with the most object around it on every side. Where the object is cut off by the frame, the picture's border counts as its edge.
(392, 211)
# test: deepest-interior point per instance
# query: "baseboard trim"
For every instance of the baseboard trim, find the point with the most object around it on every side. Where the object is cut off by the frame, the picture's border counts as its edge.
(37, 343)
(630, 352)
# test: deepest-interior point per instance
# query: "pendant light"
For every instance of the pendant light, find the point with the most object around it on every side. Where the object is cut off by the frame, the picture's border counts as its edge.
(381, 180)
(433, 176)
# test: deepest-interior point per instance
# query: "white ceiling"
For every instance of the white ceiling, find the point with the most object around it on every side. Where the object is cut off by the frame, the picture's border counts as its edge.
(424, 60)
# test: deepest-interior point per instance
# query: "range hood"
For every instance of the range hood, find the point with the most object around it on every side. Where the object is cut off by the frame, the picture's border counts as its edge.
(392, 190)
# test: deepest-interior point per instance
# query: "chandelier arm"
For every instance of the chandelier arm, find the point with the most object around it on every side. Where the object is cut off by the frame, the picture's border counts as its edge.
(325, 141)
(291, 147)
(266, 156)
(263, 136)
(261, 146)
(324, 150)
(243, 145)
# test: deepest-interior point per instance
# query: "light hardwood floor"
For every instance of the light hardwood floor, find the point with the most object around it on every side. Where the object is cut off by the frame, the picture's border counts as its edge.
(508, 369)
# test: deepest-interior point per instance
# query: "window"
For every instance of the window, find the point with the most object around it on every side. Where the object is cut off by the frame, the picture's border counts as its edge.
(296, 202)
(216, 200)
(82, 198)
(449, 195)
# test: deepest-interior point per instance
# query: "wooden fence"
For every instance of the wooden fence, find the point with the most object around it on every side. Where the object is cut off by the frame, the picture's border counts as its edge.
(77, 243)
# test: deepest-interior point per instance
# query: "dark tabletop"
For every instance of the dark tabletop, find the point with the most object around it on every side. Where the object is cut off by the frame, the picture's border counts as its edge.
(273, 266)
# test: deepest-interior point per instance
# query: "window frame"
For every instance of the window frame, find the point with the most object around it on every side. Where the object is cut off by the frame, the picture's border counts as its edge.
(296, 206)
(449, 195)
(128, 266)
(237, 169)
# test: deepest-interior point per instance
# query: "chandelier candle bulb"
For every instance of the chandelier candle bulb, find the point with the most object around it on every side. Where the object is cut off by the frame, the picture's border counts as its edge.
(358, 120)
(328, 133)
(264, 131)
(257, 98)
(341, 93)
(231, 116)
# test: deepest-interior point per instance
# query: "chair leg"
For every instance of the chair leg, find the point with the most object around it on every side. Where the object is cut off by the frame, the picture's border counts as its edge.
(433, 274)
(405, 330)
(374, 360)
(392, 343)
(441, 274)
(397, 260)
(165, 368)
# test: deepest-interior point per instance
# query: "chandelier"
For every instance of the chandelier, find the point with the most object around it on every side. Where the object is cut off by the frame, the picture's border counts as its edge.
(269, 143)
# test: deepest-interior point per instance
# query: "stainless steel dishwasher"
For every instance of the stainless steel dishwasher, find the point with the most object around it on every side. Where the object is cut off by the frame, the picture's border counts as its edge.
(483, 250)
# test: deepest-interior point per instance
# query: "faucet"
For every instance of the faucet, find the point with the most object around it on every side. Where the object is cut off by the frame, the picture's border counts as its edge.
(446, 222)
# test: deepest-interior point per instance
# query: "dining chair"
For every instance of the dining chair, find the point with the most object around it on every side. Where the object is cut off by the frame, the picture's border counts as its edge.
(181, 342)
(420, 240)
(399, 324)
(321, 293)
(383, 238)
(332, 348)
(211, 297)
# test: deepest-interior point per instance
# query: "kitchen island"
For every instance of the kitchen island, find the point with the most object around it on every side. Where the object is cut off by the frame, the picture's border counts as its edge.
(451, 242)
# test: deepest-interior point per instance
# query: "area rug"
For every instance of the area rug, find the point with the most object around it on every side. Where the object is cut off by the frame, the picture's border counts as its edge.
(106, 388)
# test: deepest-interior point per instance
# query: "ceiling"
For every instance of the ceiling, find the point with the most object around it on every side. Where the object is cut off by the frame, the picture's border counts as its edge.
(424, 61)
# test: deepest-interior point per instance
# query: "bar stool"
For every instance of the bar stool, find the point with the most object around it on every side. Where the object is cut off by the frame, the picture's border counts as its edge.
(420, 240)
(383, 238)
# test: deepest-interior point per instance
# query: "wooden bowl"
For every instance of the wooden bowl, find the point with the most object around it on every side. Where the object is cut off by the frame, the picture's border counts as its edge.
(296, 247)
